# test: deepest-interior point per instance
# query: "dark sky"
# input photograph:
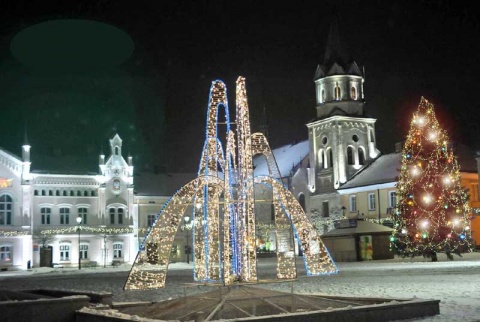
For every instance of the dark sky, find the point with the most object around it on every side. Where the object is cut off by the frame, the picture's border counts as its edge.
(157, 98)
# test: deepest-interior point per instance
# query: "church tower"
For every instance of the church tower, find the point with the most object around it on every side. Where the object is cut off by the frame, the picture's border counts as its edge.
(342, 139)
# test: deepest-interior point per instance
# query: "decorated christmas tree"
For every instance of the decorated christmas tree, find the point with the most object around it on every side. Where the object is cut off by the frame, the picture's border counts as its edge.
(432, 212)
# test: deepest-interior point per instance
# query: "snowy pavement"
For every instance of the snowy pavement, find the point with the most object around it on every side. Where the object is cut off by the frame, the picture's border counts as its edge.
(455, 283)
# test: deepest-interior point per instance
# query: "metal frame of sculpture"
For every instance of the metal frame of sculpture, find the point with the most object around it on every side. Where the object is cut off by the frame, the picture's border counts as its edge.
(222, 202)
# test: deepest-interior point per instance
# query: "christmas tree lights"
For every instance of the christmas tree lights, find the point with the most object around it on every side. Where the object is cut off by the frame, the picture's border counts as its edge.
(432, 208)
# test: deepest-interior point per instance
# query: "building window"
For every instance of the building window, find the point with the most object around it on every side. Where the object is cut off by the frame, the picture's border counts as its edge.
(323, 95)
(6, 205)
(85, 193)
(45, 212)
(120, 216)
(57, 193)
(83, 212)
(65, 252)
(361, 156)
(301, 201)
(44, 193)
(50, 192)
(150, 220)
(350, 155)
(35, 192)
(337, 92)
(79, 193)
(325, 209)
(353, 203)
(117, 250)
(64, 193)
(72, 193)
(353, 93)
(93, 193)
(330, 158)
(392, 199)
(371, 201)
(5, 254)
(64, 216)
(112, 216)
(83, 251)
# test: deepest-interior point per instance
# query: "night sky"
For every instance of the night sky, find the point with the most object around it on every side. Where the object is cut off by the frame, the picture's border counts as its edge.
(154, 90)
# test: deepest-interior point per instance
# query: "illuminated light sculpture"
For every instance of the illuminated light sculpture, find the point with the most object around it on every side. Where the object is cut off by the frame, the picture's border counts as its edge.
(223, 204)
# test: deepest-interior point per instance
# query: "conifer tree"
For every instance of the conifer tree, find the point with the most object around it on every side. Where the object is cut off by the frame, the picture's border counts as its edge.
(432, 211)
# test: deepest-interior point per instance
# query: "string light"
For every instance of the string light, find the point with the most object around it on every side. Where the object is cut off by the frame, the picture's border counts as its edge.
(432, 209)
(218, 215)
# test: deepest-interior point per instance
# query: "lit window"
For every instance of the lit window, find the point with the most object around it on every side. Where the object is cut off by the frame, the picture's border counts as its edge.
(337, 92)
(353, 203)
(6, 206)
(361, 156)
(64, 216)
(392, 199)
(353, 93)
(371, 201)
(65, 252)
(5, 254)
(112, 215)
(45, 212)
(83, 251)
(120, 216)
(349, 155)
(150, 220)
(117, 250)
(83, 213)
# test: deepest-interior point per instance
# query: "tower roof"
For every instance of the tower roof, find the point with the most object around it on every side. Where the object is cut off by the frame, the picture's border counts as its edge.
(336, 60)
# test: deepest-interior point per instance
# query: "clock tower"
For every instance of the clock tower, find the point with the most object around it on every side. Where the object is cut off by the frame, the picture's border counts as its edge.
(116, 192)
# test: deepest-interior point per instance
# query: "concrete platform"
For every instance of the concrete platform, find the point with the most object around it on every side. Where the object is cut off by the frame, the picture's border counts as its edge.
(250, 303)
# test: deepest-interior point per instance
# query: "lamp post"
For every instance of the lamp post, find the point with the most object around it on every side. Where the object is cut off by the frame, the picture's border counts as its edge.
(79, 221)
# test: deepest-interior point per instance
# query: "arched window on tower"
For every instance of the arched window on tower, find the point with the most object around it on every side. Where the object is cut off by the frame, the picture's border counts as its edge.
(372, 137)
(353, 93)
(337, 92)
(323, 96)
(350, 155)
(321, 159)
(116, 150)
(330, 158)
(361, 156)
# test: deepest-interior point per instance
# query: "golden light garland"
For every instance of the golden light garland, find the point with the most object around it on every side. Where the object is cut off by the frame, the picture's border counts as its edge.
(227, 253)
(432, 210)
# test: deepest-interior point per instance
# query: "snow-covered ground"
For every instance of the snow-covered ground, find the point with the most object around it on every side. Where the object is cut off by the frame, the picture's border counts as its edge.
(455, 283)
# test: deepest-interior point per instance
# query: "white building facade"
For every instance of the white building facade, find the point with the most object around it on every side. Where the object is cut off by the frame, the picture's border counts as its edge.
(39, 214)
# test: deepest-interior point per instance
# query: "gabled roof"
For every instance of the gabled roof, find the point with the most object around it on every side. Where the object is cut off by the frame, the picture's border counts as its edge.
(287, 157)
(384, 169)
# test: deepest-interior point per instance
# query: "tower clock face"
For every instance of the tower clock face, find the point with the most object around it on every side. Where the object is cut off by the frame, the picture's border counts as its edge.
(116, 184)
(116, 172)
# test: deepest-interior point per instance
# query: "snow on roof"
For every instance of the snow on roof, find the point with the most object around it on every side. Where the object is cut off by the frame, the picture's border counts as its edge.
(286, 156)
(383, 170)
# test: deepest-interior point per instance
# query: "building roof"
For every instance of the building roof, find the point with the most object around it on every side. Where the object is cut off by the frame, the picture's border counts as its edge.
(384, 169)
(363, 227)
(287, 157)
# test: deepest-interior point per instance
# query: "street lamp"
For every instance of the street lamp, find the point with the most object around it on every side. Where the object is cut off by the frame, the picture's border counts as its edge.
(79, 221)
